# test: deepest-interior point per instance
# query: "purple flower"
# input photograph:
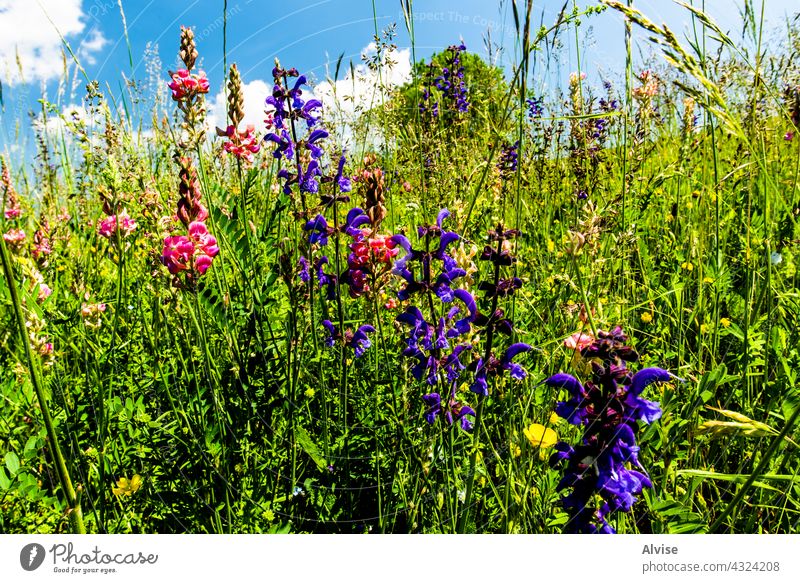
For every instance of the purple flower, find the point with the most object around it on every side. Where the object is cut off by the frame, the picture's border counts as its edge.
(305, 276)
(319, 230)
(358, 340)
(311, 143)
(451, 411)
(330, 281)
(330, 339)
(608, 408)
(342, 181)
(494, 367)
(440, 282)
(284, 143)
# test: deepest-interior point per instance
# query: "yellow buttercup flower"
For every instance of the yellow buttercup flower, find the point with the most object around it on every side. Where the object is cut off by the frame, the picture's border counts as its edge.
(540, 436)
(126, 487)
(554, 419)
(647, 317)
(725, 322)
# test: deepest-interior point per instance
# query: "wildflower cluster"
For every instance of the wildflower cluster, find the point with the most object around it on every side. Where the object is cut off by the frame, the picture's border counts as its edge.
(242, 144)
(286, 107)
(450, 85)
(188, 89)
(15, 236)
(535, 107)
(495, 321)
(432, 271)
(603, 472)
(42, 243)
(123, 222)
(190, 254)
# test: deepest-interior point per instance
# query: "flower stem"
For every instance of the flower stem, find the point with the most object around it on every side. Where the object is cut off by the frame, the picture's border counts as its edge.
(74, 511)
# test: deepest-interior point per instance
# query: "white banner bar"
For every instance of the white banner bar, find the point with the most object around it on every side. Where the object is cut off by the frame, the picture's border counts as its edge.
(332, 558)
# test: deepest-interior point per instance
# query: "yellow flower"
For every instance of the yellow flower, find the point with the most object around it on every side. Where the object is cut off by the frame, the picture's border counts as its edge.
(310, 393)
(540, 436)
(690, 205)
(725, 322)
(647, 317)
(126, 487)
(703, 328)
(687, 265)
(708, 280)
(554, 419)
(516, 450)
(551, 246)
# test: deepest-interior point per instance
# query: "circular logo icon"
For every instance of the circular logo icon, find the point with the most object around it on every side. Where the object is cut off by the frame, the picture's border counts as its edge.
(31, 556)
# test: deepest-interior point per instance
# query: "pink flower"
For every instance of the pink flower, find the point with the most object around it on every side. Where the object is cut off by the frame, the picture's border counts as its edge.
(92, 314)
(359, 256)
(44, 292)
(12, 213)
(15, 238)
(177, 253)
(579, 341)
(383, 248)
(108, 226)
(204, 241)
(202, 263)
(41, 242)
(185, 84)
(242, 144)
(788, 136)
(196, 251)
(391, 304)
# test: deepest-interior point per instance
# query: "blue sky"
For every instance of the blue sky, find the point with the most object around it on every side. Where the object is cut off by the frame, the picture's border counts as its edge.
(307, 34)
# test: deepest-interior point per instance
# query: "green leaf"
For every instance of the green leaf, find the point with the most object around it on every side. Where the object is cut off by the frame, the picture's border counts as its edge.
(5, 482)
(304, 439)
(791, 403)
(12, 463)
(31, 447)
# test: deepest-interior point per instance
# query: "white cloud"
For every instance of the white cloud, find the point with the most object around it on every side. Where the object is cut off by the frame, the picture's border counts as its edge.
(55, 128)
(363, 88)
(254, 94)
(26, 30)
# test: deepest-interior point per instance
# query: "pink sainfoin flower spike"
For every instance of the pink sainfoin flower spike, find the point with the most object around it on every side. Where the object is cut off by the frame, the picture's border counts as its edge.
(383, 248)
(579, 341)
(14, 238)
(12, 210)
(185, 84)
(181, 253)
(108, 226)
(205, 246)
(41, 242)
(177, 253)
(242, 143)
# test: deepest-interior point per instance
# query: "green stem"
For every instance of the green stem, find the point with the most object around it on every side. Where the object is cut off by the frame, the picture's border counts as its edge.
(74, 511)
